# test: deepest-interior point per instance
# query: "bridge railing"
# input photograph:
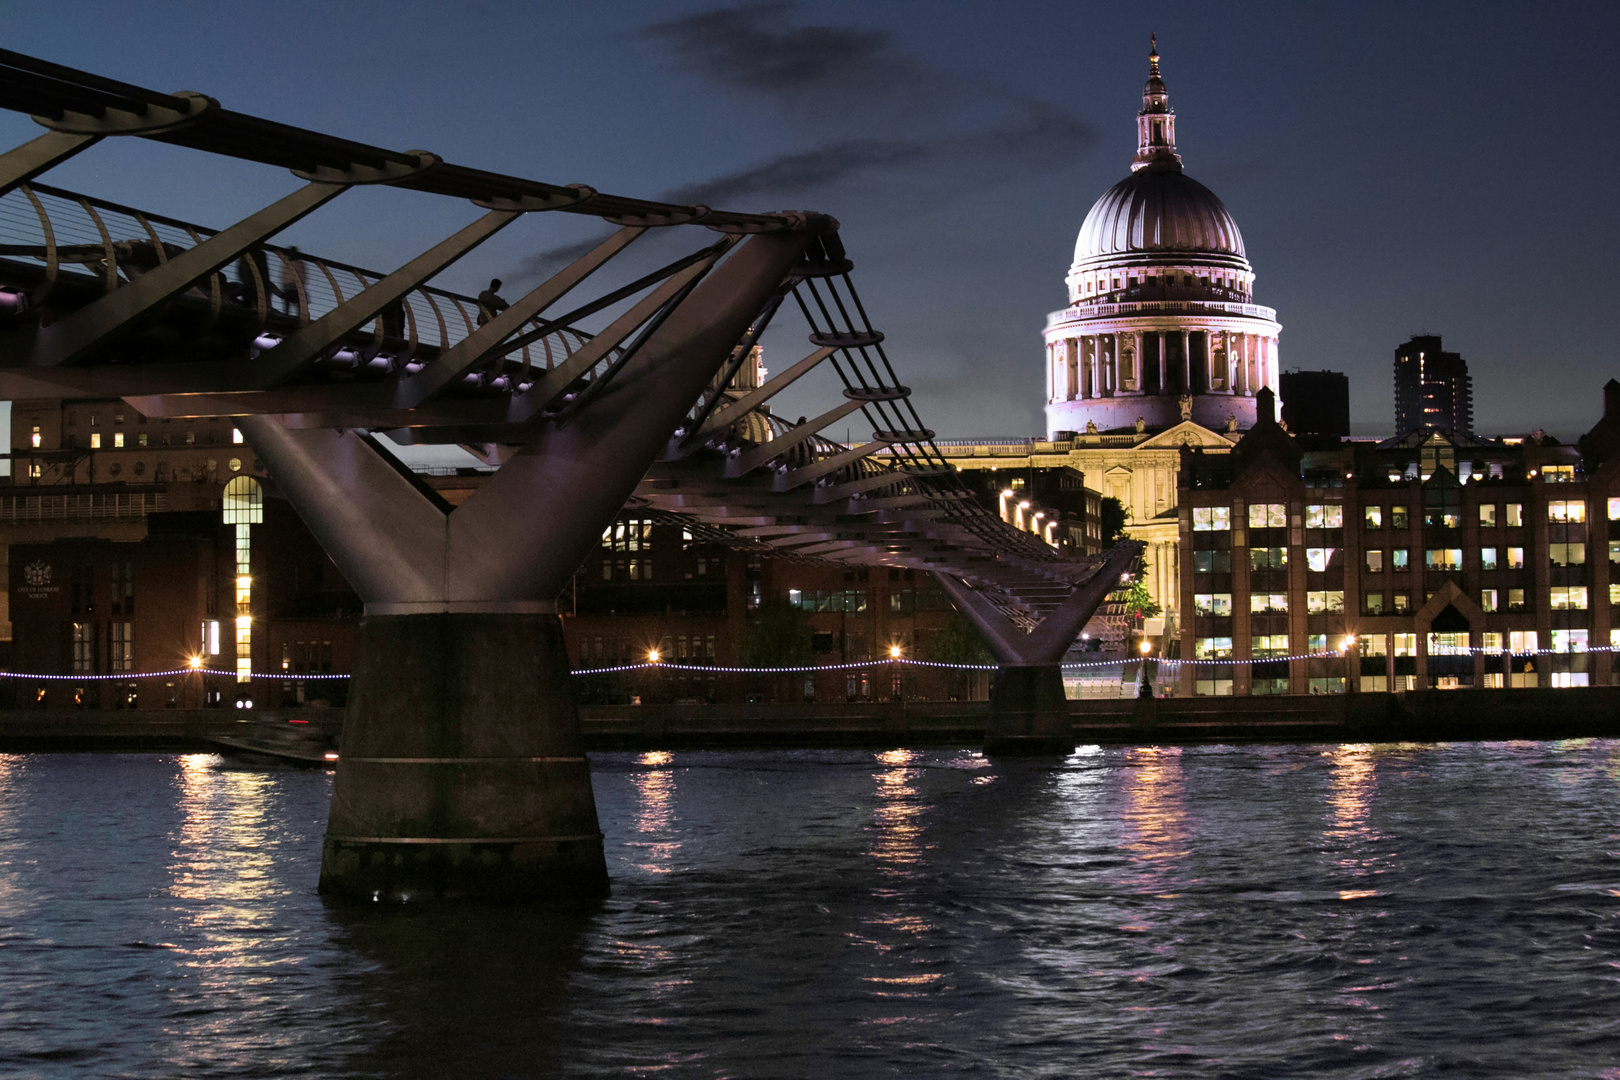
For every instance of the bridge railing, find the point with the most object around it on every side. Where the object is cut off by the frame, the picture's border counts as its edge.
(62, 235)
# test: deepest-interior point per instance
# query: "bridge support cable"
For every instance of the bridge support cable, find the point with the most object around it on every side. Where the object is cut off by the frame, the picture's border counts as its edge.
(468, 777)
(1028, 713)
(489, 340)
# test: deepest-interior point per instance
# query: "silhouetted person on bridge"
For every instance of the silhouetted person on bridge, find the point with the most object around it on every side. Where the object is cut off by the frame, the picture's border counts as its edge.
(291, 287)
(490, 303)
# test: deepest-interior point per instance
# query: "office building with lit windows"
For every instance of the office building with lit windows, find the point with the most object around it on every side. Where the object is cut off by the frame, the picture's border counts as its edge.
(1433, 391)
(1432, 561)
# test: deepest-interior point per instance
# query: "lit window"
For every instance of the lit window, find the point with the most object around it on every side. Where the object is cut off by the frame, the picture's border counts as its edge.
(1513, 514)
(141, 439)
(1569, 641)
(1487, 558)
(95, 440)
(1212, 648)
(1567, 597)
(235, 464)
(236, 435)
(1487, 514)
(1317, 559)
(1372, 603)
(1375, 561)
(1515, 558)
(1570, 510)
(1219, 604)
(1487, 600)
(1398, 516)
(1262, 603)
(1522, 641)
(1515, 599)
(1567, 554)
(1442, 559)
(118, 440)
(1558, 474)
(1398, 558)
(1268, 515)
(1325, 602)
(1212, 518)
(1614, 504)
(1328, 516)
(1268, 558)
(1264, 646)
(1373, 516)
(35, 440)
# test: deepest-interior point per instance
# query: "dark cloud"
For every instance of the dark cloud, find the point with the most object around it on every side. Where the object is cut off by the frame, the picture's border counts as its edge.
(918, 133)
(752, 47)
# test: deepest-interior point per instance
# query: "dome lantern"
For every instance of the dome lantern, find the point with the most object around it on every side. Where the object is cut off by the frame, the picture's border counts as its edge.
(1156, 123)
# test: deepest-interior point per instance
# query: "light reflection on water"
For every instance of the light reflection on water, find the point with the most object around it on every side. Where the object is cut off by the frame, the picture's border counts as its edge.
(1240, 911)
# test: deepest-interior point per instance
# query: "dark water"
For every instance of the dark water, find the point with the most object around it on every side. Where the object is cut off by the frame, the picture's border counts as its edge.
(1239, 912)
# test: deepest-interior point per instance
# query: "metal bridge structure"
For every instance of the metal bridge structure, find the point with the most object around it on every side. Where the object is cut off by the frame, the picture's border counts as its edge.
(462, 773)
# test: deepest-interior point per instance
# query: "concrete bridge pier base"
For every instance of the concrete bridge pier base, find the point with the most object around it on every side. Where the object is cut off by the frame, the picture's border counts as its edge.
(1029, 713)
(463, 775)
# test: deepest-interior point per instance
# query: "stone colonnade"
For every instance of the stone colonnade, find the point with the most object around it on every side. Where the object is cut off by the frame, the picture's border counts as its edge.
(1173, 362)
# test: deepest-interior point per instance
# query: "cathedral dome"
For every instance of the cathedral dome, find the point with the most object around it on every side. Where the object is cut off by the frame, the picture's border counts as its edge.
(1157, 210)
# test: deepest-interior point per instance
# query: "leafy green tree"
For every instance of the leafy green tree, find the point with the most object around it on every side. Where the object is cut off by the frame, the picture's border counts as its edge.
(959, 642)
(778, 636)
(1113, 518)
(1139, 602)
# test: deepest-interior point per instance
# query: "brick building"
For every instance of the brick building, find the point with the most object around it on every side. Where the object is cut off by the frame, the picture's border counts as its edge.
(1450, 561)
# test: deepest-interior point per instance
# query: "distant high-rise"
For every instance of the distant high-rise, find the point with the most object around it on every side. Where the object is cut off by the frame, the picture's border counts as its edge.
(1316, 402)
(1432, 389)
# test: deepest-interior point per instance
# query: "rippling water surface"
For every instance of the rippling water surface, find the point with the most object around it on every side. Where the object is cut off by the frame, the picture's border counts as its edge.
(1344, 911)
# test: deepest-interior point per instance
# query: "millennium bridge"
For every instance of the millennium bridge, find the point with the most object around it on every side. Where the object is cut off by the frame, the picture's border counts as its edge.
(462, 773)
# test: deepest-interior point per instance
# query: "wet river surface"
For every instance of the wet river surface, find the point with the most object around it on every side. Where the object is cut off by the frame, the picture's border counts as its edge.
(1339, 911)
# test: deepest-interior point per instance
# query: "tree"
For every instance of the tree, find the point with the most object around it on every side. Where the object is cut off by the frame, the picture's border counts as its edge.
(959, 642)
(1139, 602)
(1112, 518)
(778, 636)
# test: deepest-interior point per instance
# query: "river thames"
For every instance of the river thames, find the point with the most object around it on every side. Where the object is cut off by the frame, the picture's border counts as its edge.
(1252, 911)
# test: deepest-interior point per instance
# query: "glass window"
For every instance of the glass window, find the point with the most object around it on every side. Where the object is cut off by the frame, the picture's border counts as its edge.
(1487, 599)
(95, 440)
(1614, 504)
(1558, 474)
(1515, 599)
(1373, 516)
(1375, 561)
(1569, 640)
(1515, 558)
(1442, 558)
(1326, 602)
(1487, 514)
(1262, 603)
(1567, 554)
(1212, 603)
(1212, 518)
(1268, 515)
(1265, 646)
(1212, 562)
(1398, 518)
(1513, 514)
(1268, 558)
(1212, 648)
(118, 440)
(1398, 559)
(1317, 559)
(1402, 601)
(1372, 603)
(1570, 510)
(1325, 516)
(1405, 644)
(1487, 558)
(1521, 641)
(1568, 597)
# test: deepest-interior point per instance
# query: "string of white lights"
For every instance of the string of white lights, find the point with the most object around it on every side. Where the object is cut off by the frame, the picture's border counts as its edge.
(803, 669)
(132, 676)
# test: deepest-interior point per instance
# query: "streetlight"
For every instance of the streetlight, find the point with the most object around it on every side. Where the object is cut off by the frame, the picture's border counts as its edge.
(894, 652)
(652, 656)
(1145, 647)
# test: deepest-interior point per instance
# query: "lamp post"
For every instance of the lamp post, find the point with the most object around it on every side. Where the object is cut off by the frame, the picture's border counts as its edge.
(1145, 647)
(1348, 647)
(894, 662)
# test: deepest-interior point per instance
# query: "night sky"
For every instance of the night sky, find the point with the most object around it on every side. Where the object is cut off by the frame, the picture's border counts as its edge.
(1395, 168)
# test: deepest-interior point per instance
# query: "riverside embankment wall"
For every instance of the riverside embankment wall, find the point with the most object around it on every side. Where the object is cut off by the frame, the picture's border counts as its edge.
(1419, 716)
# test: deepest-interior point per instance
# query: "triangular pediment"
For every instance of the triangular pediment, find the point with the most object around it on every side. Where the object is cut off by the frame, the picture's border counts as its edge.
(1186, 433)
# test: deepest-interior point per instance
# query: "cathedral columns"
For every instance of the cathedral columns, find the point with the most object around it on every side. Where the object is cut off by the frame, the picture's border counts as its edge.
(1071, 368)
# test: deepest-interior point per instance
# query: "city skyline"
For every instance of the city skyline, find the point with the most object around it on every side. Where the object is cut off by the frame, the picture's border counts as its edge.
(1393, 172)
